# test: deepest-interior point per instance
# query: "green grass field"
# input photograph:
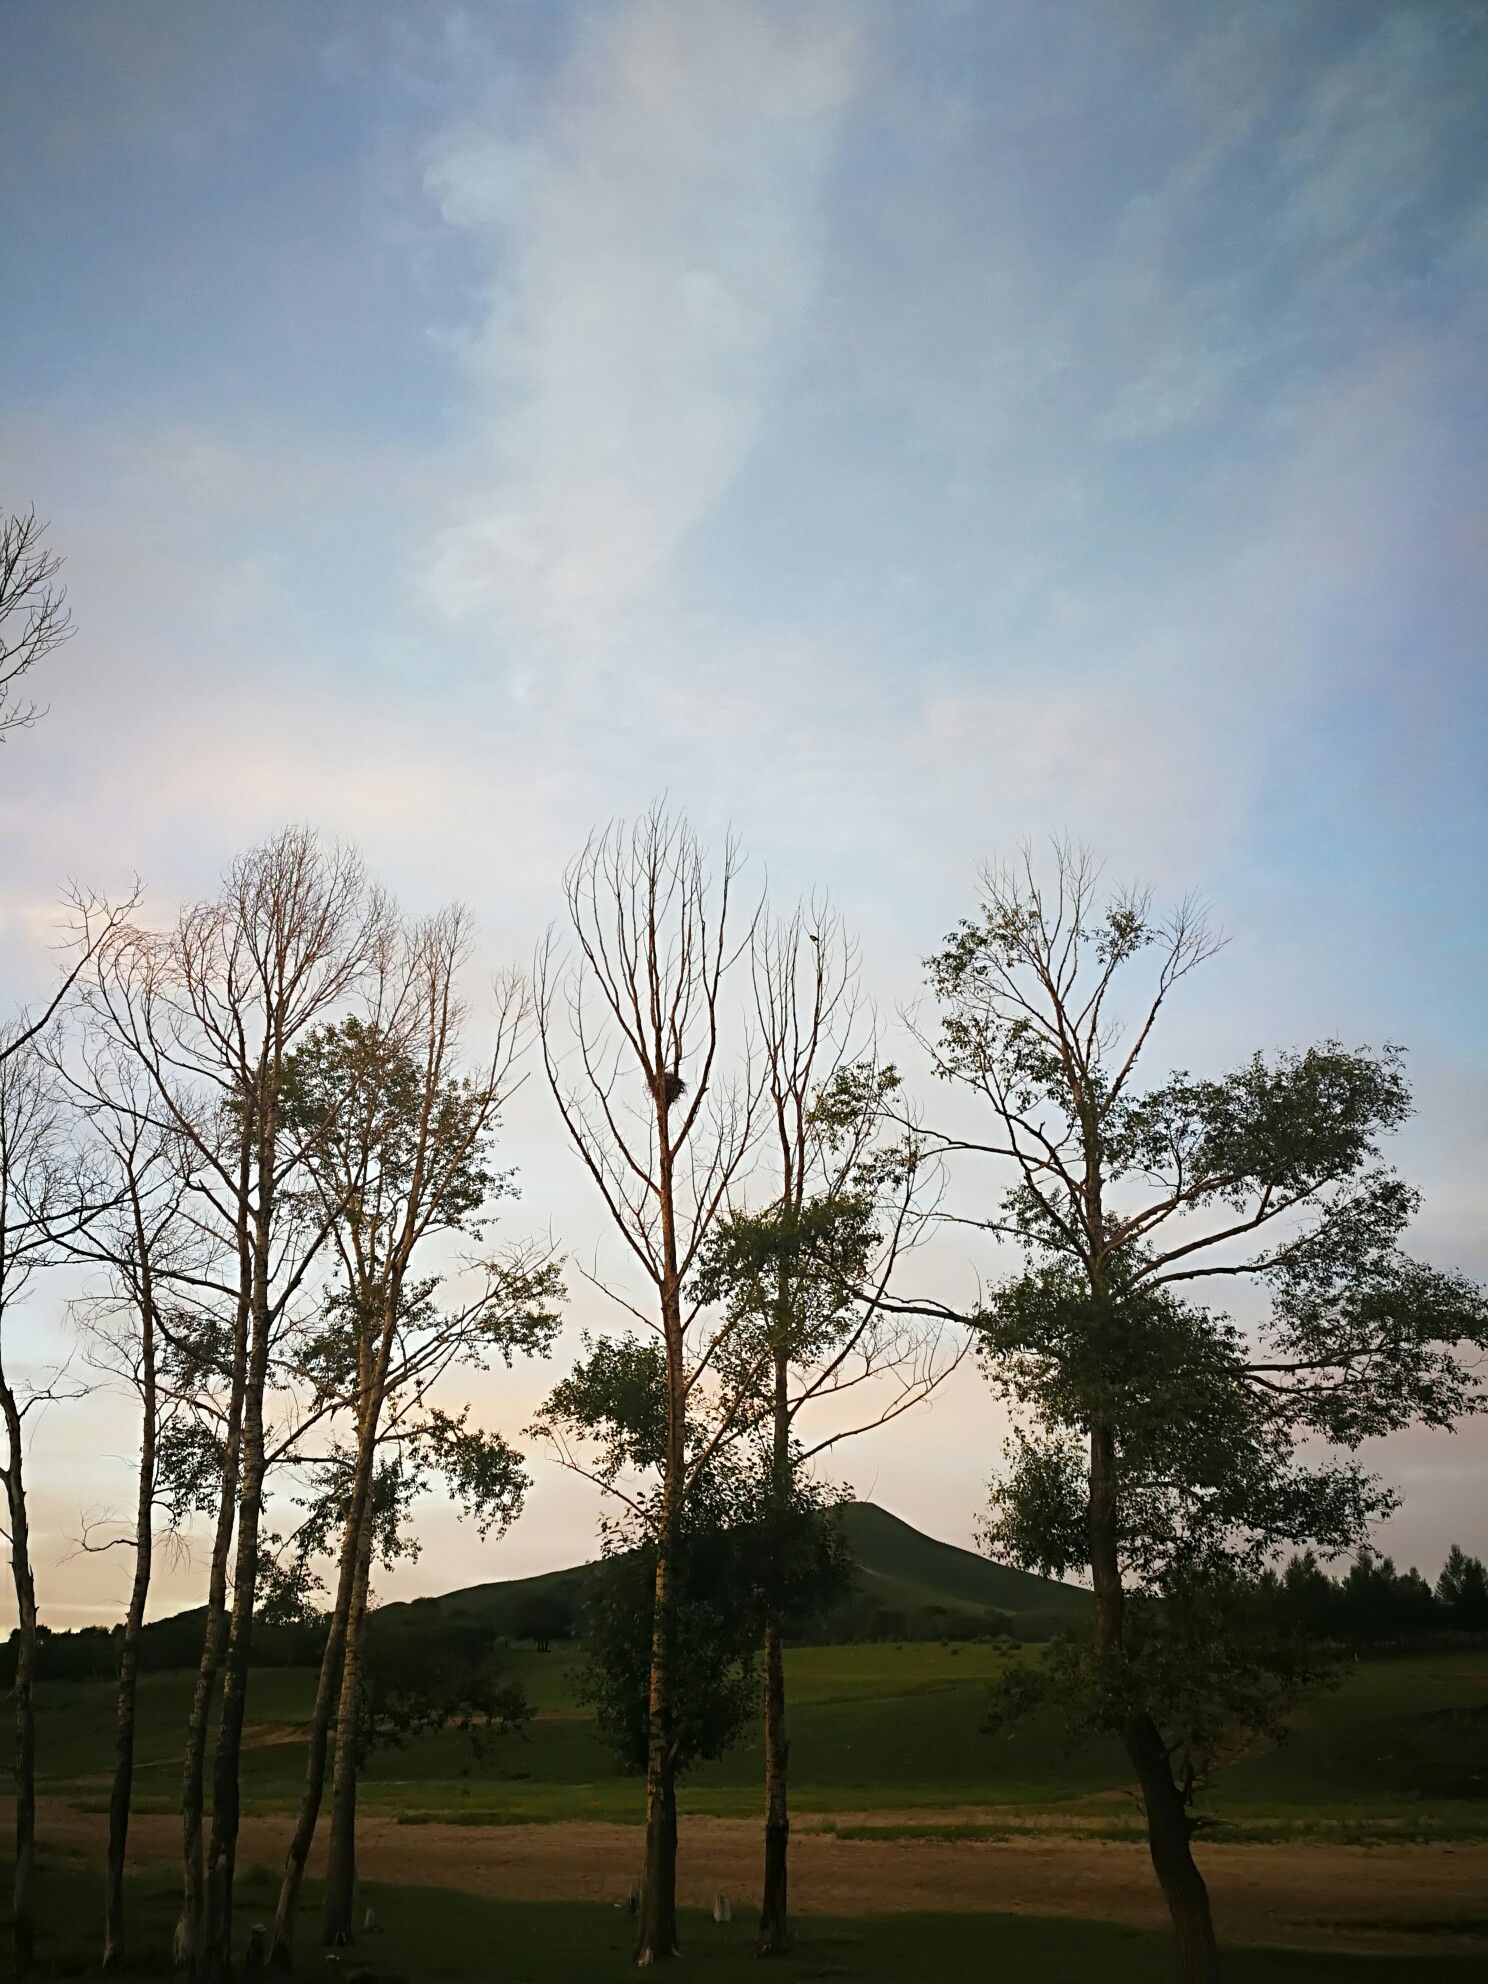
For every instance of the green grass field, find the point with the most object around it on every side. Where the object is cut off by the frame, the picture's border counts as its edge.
(1401, 1744)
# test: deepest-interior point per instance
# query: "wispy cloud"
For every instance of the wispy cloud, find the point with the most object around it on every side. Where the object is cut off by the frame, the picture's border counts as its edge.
(653, 248)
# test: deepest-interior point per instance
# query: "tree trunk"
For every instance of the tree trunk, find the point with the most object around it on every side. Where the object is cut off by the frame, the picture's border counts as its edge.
(194, 1766)
(134, 1619)
(191, 1934)
(223, 1846)
(1168, 1838)
(281, 1956)
(24, 1886)
(774, 1928)
(337, 1926)
(1167, 1820)
(226, 1794)
(656, 1940)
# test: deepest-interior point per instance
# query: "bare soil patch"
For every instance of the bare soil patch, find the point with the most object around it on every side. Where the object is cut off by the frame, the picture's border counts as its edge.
(1303, 1893)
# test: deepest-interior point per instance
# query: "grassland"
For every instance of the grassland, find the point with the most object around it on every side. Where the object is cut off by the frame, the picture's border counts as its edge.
(897, 1787)
(1401, 1746)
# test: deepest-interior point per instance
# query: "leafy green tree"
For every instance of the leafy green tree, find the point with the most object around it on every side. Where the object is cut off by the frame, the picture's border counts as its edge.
(209, 1015)
(1161, 1452)
(716, 1633)
(402, 1156)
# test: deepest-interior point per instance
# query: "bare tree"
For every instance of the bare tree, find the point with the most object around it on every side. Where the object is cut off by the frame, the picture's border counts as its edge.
(404, 1159)
(212, 1011)
(155, 1260)
(807, 1281)
(633, 1033)
(34, 617)
(45, 1197)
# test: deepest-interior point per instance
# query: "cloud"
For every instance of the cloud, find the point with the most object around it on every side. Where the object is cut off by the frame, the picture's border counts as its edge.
(652, 249)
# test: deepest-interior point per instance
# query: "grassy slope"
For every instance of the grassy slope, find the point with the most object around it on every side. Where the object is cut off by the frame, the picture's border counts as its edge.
(445, 1938)
(897, 1565)
(902, 1567)
(873, 1728)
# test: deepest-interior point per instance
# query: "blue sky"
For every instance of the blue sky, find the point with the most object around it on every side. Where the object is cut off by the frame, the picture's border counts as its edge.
(892, 429)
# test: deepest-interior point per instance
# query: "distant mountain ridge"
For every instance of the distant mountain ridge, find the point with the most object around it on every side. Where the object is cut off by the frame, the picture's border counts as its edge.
(900, 1571)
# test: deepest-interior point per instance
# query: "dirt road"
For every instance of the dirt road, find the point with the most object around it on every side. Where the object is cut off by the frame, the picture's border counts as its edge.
(1305, 1894)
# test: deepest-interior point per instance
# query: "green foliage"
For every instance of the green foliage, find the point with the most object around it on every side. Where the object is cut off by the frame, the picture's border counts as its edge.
(355, 1096)
(1202, 1661)
(485, 1476)
(1162, 1447)
(1362, 1351)
(1462, 1590)
(787, 1277)
(421, 1680)
(713, 1649)
(188, 1469)
(616, 1397)
(740, 1553)
(1210, 1483)
(545, 1616)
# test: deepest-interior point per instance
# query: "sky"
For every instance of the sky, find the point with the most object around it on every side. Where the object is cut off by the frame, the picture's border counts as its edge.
(889, 430)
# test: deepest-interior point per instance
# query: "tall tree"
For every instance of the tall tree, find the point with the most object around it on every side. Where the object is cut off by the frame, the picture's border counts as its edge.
(405, 1158)
(1123, 1198)
(807, 1281)
(212, 1011)
(45, 1197)
(634, 1037)
(155, 1259)
(38, 1209)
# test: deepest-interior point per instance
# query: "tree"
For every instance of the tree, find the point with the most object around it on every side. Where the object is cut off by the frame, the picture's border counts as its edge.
(662, 1134)
(427, 1679)
(154, 1258)
(740, 1556)
(211, 1013)
(1463, 1590)
(45, 1198)
(400, 1151)
(544, 1616)
(717, 1627)
(1163, 1452)
(34, 617)
(806, 1281)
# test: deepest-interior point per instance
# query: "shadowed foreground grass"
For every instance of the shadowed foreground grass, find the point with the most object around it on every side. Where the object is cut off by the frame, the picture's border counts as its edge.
(430, 1936)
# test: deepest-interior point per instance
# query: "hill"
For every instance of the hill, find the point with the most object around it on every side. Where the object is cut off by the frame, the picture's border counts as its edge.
(904, 1580)
(904, 1570)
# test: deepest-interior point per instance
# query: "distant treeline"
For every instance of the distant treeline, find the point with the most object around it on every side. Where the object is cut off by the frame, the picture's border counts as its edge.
(1373, 1604)
(540, 1619)
(92, 1652)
